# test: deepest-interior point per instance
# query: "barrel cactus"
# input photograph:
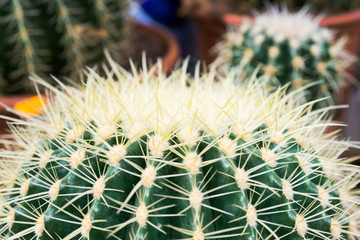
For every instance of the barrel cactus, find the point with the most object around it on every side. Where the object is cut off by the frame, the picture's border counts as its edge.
(147, 156)
(54, 37)
(291, 48)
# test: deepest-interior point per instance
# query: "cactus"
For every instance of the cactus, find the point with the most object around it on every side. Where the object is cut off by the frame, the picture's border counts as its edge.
(291, 49)
(55, 37)
(147, 156)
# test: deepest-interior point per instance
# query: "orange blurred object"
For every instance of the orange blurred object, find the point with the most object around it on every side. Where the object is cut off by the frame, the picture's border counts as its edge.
(31, 106)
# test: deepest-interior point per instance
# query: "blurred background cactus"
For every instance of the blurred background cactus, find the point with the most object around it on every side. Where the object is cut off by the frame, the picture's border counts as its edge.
(288, 48)
(57, 37)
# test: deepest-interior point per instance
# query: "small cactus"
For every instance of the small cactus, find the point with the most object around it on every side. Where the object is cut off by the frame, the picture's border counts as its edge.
(147, 156)
(57, 37)
(290, 48)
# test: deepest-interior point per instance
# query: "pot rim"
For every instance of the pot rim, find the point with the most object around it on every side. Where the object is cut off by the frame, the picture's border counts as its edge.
(333, 20)
(173, 49)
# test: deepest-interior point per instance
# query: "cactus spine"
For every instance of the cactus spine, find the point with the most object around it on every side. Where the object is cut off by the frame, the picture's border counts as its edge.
(291, 48)
(156, 157)
(54, 37)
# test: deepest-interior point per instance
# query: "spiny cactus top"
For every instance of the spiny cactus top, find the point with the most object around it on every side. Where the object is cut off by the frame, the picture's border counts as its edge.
(155, 157)
(290, 48)
(55, 37)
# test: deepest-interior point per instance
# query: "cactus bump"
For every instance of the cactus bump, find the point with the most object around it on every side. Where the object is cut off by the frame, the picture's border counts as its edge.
(146, 156)
(57, 37)
(290, 48)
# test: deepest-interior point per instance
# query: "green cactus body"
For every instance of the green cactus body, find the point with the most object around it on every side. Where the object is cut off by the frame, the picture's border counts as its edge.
(54, 37)
(291, 49)
(154, 157)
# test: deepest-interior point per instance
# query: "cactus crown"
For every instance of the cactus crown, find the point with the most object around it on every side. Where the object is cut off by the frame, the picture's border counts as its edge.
(155, 157)
(56, 37)
(291, 48)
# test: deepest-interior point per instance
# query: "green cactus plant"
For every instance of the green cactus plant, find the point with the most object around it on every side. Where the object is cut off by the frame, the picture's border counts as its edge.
(147, 156)
(55, 37)
(291, 49)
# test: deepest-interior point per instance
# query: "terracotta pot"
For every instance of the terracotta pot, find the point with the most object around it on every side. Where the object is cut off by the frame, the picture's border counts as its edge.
(173, 49)
(26, 104)
(233, 19)
(154, 40)
(11, 101)
(209, 30)
(8, 102)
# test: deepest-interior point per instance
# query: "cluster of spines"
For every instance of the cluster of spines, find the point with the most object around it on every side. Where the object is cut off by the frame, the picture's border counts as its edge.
(233, 163)
(288, 49)
(54, 37)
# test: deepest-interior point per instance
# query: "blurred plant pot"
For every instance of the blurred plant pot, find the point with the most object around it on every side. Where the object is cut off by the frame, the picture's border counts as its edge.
(26, 104)
(209, 30)
(153, 40)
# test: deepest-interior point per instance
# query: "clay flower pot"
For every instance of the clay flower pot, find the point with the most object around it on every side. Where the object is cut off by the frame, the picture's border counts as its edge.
(153, 40)
(27, 105)
(172, 53)
(209, 30)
